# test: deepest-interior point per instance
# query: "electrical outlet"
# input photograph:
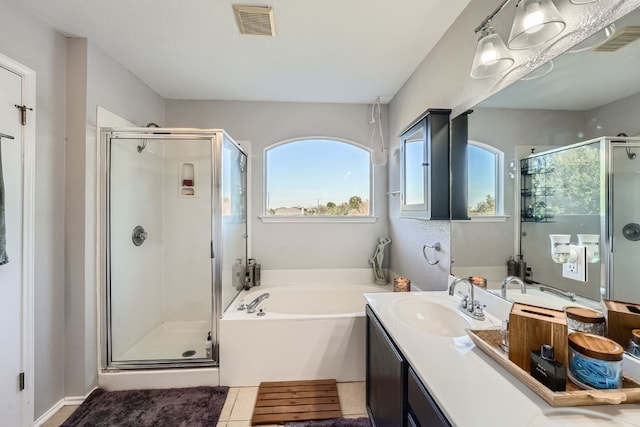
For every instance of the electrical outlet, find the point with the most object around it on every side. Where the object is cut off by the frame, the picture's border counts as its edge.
(576, 270)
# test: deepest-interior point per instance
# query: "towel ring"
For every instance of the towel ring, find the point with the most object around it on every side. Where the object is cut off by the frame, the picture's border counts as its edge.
(436, 246)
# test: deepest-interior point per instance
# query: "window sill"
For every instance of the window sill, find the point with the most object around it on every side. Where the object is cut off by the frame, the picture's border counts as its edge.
(492, 218)
(289, 219)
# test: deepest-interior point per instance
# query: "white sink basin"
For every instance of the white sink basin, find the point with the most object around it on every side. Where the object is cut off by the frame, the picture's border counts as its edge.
(433, 316)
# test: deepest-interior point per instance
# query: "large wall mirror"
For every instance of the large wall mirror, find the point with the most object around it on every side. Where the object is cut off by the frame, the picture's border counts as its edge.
(584, 94)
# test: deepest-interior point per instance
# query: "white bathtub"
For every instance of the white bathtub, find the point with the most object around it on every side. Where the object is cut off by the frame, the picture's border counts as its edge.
(309, 331)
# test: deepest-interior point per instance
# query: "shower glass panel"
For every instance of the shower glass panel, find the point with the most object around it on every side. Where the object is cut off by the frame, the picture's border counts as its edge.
(176, 224)
(234, 220)
(625, 221)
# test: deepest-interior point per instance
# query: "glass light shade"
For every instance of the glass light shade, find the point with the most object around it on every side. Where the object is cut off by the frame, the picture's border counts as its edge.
(536, 21)
(492, 56)
(541, 71)
(560, 248)
(594, 40)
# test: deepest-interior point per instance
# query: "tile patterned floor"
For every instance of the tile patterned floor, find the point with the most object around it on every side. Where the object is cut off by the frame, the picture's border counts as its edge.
(238, 407)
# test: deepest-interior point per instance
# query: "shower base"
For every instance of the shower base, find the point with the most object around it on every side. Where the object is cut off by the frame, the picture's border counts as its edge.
(179, 341)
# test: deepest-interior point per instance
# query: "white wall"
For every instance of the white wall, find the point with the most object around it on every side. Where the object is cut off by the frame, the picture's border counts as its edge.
(136, 275)
(26, 40)
(186, 233)
(294, 246)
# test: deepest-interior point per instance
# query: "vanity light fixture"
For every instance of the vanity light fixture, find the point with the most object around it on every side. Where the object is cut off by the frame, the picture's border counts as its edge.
(492, 56)
(536, 21)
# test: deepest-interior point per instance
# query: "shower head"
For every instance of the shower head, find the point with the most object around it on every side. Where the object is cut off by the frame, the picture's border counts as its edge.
(630, 155)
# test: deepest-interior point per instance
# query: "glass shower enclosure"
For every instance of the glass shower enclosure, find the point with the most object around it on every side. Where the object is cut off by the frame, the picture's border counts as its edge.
(176, 244)
(589, 191)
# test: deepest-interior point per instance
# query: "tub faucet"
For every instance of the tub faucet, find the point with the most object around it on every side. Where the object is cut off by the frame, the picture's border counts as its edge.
(251, 307)
(510, 279)
(468, 305)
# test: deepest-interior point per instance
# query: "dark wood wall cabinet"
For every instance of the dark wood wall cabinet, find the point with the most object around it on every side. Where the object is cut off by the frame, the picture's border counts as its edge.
(426, 194)
(395, 396)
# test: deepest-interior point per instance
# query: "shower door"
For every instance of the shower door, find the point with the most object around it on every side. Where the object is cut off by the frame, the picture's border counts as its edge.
(624, 224)
(175, 226)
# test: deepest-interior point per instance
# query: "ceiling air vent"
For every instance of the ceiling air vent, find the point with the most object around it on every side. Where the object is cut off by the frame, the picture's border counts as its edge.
(255, 20)
(620, 39)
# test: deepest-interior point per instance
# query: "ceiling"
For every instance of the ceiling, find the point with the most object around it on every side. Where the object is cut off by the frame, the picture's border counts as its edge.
(324, 50)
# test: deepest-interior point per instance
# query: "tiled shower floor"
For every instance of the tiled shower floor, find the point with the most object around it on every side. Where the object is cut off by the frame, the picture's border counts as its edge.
(238, 407)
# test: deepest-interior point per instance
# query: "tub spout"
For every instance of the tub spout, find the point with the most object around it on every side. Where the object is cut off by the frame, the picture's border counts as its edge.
(251, 307)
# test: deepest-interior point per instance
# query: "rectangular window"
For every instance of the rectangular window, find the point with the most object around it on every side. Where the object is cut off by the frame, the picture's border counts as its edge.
(415, 166)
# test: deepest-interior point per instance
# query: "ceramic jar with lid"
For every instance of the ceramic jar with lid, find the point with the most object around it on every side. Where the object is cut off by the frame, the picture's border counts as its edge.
(595, 361)
(583, 319)
(634, 343)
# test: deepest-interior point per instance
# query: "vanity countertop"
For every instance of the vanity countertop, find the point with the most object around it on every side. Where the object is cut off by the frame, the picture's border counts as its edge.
(472, 389)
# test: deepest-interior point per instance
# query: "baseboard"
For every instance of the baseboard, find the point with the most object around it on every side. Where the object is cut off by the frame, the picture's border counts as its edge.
(67, 401)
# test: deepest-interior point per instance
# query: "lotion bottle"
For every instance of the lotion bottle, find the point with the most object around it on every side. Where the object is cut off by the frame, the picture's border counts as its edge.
(208, 346)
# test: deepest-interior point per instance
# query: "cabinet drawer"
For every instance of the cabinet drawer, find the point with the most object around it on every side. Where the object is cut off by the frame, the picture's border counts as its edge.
(424, 409)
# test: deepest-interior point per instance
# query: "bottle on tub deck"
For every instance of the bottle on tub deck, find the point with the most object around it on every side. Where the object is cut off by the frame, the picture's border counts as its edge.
(208, 346)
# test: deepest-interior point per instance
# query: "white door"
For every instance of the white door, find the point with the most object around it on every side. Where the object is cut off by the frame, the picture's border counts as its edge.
(11, 272)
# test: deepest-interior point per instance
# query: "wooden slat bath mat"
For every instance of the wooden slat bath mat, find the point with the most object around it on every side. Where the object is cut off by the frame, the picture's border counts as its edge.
(282, 401)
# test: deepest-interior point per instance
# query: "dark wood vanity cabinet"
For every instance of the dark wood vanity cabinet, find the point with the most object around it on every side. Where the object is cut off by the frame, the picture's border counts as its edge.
(385, 376)
(422, 410)
(395, 396)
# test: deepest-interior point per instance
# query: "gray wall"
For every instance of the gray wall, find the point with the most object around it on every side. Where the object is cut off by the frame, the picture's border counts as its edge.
(65, 285)
(96, 80)
(24, 39)
(491, 243)
(294, 245)
(442, 81)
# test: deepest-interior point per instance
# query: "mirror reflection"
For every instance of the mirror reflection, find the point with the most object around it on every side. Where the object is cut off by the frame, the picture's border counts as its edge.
(589, 92)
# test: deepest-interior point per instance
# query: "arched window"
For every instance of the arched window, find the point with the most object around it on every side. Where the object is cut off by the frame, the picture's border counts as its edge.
(317, 177)
(485, 180)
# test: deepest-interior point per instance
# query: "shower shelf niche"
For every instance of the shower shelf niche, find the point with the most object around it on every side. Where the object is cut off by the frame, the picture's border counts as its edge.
(186, 179)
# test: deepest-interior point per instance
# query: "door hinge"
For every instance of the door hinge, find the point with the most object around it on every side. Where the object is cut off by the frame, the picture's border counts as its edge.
(23, 113)
(21, 381)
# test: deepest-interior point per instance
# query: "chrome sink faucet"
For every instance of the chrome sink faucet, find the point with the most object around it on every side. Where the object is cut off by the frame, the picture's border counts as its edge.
(468, 305)
(512, 279)
(251, 307)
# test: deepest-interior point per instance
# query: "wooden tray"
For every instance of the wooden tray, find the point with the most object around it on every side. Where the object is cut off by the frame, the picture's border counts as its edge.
(488, 340)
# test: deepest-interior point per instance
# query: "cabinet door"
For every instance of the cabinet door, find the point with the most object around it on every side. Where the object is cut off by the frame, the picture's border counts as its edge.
(425, 411)
(385, 377)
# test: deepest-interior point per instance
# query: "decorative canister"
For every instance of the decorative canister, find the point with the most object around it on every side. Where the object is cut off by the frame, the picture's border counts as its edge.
(478, 281)
(634, 343)
(582, 319)
(401, 284)
(595, 361)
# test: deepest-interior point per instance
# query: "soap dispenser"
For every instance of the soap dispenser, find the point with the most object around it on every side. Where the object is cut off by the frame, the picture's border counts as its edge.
(208, 346)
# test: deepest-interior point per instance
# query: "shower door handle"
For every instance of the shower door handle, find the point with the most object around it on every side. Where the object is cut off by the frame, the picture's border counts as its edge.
(211, 248)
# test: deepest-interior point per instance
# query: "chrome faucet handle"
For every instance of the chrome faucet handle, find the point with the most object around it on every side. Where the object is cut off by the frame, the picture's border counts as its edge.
(478, 312)
(465, 302)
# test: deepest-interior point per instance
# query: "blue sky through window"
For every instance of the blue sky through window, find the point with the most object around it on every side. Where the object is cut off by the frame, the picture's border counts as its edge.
(308, 173)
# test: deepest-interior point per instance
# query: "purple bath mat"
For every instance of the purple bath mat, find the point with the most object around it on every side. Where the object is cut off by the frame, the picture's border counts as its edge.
(174, 407)
(337, 422)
